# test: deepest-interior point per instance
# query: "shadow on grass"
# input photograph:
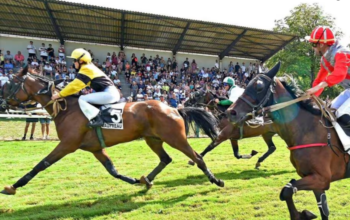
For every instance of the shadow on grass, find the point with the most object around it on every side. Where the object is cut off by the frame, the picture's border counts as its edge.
(244, 175)
(89, 208)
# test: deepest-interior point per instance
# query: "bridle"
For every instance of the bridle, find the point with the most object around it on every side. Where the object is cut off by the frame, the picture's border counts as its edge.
(259, 109)
(14, 87)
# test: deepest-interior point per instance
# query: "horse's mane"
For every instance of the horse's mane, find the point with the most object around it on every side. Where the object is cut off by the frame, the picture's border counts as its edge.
(43, 79)
(292, 87)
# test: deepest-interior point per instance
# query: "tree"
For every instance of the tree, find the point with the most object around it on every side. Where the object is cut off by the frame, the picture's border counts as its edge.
(298, 58)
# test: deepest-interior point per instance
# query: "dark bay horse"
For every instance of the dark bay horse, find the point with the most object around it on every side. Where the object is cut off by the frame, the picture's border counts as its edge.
(152, 120)
(229, 131)
(315, 149)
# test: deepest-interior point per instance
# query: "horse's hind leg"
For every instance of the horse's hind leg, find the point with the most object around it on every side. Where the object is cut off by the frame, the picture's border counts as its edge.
(268, 140)
(157, 146)
(182, 145)
(58, 153)
(107, 163)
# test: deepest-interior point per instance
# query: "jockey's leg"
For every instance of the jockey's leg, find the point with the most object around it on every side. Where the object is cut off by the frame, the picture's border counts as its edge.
(342, 104)
(107, 163)
(109, 95)
(340, 99)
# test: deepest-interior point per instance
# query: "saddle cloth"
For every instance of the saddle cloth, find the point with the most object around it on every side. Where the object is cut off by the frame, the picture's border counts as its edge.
(112, 116)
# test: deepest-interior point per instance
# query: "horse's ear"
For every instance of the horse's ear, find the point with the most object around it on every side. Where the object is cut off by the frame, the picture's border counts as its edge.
(273, 72)
(24, 70)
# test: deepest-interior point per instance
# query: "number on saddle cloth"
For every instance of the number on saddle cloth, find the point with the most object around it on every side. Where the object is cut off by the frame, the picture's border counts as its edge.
(112, 115)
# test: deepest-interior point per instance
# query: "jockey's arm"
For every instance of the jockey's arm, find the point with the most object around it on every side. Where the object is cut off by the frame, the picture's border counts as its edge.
(339, 74)
(321, 75)
(340, 70)
(75, 86)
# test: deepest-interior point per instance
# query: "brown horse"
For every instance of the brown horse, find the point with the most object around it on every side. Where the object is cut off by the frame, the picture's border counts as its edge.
(152, 120)
(315, 155)
(229, 131)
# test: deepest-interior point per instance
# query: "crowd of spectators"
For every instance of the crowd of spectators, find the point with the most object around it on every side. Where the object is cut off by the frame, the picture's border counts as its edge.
(148, 77)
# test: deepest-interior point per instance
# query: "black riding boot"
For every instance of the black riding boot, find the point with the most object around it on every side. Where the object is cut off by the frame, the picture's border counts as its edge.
(344, 120)
(96, 122)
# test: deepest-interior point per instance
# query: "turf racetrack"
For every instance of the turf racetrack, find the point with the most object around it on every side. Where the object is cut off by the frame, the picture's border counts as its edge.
(78, 186)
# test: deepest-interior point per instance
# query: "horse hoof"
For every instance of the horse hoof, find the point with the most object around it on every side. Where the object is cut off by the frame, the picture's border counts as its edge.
(221, 183)
(9, 190)
(257, 166)
(253, 153)
(144, 180)
(190, 162)
(308, 215)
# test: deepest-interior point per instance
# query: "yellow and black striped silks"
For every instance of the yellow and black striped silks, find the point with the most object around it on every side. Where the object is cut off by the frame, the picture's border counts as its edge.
(89, 75)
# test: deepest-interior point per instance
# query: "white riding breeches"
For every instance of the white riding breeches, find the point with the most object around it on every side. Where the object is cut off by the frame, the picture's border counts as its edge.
(342, 103)
(109, 95)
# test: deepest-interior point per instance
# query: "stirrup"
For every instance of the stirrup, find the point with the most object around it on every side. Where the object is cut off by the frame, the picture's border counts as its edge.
(96, 122)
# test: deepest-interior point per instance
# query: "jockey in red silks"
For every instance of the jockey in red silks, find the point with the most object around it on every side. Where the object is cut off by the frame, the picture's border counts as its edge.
(335, 69)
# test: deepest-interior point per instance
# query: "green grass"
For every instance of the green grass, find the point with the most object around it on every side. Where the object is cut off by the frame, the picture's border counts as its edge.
(78, 187)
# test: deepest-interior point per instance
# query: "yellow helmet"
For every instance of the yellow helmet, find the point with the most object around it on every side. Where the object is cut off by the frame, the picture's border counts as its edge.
(81, 54)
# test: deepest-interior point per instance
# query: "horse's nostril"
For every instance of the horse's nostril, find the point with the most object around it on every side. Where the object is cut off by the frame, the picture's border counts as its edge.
(233, 112)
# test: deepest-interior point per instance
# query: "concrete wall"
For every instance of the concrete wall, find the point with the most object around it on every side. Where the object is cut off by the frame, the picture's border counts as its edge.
(15, 44)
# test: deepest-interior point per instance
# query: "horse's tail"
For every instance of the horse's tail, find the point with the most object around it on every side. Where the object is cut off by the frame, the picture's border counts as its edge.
(203, 119)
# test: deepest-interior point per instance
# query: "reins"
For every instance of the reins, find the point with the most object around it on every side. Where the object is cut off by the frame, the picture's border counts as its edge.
(57, 107)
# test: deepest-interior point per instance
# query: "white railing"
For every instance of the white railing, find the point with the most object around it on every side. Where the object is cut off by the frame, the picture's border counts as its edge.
(38, 113)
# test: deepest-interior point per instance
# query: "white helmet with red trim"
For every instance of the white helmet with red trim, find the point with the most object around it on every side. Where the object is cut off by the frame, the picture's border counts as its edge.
(323, 35)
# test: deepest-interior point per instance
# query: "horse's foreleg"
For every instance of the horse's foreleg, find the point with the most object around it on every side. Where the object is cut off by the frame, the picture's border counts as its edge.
(322, 203)
(223, 136)
(211, 147)
(107, 163)
(311, 182)
(268, 140)
(58, 153)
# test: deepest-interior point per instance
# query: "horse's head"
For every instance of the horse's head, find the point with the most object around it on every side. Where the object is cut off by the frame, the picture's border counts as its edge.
(199, 97)
(256, 96)
(14, 92)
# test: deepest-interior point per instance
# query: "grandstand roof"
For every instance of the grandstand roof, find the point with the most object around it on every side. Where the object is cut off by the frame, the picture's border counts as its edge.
(86, 23)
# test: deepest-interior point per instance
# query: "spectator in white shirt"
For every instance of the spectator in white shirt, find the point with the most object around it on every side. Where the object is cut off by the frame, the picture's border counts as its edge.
(31, 50)
(205, 75)
(61, 52)
(35, 63)
(162, 100)
(43, 51)
(216, 64)
(3, 79)
(243, 67)
(48, 70)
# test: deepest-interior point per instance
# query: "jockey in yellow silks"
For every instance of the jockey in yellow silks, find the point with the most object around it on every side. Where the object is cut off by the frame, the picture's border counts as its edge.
(90, 75)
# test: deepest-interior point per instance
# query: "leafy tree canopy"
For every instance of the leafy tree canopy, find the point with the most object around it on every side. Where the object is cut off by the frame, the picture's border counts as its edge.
(298, 58)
